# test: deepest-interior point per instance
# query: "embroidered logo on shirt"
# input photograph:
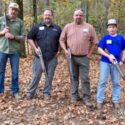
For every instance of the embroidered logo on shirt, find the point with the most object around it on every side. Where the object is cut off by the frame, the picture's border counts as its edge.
(85, 30)
(109, 41)
(41, 28)
(54, 29)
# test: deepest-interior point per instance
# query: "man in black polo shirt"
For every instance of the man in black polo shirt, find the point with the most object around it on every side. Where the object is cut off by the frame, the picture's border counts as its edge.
(46, 36)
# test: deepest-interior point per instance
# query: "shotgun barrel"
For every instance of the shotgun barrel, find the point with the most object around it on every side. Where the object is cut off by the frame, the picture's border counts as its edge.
(70, 65)
(42, 61)
(118, 67)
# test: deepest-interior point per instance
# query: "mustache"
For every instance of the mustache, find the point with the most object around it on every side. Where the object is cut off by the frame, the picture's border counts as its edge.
(47, 18)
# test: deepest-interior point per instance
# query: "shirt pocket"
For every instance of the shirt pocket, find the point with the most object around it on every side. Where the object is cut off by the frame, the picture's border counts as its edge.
(15, 28)
(86, 34)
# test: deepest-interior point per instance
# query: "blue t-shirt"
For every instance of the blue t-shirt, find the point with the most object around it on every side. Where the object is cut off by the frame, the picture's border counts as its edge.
(113, 45)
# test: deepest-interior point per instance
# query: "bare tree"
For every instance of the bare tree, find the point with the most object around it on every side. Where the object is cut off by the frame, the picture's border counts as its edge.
(46, 2)
(35, 11)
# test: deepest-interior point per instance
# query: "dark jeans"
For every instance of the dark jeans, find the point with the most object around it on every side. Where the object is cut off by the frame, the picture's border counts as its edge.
(14, 63)
(80, 70)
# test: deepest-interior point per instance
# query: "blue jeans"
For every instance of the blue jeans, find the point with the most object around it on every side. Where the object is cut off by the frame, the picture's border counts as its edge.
(14, 62)
(36, 75)
(105, 70)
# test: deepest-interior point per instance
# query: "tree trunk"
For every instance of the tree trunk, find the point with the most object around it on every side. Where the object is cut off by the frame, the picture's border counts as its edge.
(46, 2)
(20, 3)
(34, 11)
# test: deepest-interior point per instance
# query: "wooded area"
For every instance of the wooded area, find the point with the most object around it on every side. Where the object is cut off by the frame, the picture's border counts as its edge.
(59, 110)
(97, 11)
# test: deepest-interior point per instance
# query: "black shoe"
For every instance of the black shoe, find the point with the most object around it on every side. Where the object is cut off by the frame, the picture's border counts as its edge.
(74, 100)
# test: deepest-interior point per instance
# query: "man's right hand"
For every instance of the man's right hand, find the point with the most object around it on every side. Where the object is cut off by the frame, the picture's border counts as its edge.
(37, 51)
(5, 30)
(112, 58)
(66, 53)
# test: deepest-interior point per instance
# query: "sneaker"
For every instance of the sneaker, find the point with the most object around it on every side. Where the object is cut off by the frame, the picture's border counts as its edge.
(29, 96)
(46, 97)
(99, 105)
(88, 103)
(116, 105)
(1, 94)
(17, 96)
(74, 100)
(99, 111)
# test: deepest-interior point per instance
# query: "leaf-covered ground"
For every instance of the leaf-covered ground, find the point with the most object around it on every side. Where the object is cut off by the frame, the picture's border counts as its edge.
(59, 110)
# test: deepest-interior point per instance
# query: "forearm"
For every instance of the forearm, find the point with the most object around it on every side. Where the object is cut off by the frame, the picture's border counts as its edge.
(19, 38)
(123, 56)
(102, 52)
(91, 49)
(32, 44)
(59, 49)
(63, 45)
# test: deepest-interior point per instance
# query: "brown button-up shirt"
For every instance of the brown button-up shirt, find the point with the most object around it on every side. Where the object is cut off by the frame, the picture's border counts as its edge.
(78, 37)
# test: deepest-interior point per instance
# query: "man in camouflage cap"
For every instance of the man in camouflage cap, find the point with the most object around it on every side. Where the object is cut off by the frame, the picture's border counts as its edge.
(11, 37)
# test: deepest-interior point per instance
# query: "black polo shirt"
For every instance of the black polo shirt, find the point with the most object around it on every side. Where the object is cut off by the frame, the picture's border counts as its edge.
(47, 39)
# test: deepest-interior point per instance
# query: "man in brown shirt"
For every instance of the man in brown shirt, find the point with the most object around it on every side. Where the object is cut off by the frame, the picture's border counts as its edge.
(80, 38)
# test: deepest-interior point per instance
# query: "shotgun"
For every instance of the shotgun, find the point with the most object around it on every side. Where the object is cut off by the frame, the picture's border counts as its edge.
(118, 67)
(42, 61)
(70, 66)
(5, 19)
(5, 24)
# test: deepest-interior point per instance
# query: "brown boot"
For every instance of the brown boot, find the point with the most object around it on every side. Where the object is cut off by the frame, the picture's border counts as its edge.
(99, 105)
(99, 110)
(116, 105)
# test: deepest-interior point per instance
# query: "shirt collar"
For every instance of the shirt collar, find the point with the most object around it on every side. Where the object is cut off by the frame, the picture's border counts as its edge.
(46, 25)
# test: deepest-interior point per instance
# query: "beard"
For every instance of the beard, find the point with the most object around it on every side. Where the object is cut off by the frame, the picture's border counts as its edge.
(48, 21)
(78, 21)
